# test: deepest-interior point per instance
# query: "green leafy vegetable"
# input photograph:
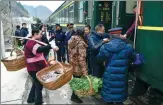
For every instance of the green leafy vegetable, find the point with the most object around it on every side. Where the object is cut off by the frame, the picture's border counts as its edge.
(83, 83)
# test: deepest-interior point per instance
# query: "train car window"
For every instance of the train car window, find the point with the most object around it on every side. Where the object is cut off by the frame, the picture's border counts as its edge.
(129, 6)
(71, 12)
(66, 10)
(59, 17)
(55, 18)
(62, 16)
(80, 11)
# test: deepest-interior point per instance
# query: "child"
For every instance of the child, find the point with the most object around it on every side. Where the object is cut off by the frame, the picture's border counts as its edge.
(35, 62)
(115, 54)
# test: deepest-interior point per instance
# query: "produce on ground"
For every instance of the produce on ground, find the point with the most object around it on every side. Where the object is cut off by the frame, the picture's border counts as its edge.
(83, 83)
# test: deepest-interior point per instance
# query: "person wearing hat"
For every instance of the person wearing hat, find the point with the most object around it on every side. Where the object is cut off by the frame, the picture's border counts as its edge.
(70, 31)
(116, 55)
(59, 36)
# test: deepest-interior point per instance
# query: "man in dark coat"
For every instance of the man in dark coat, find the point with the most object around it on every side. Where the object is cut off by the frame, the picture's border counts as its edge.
(115, 54)
(17, 33)
(24, 32)
(95, 42)
(59, 36)
(68, 35)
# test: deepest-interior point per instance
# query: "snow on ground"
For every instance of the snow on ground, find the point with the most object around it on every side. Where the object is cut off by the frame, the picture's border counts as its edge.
(12, 85)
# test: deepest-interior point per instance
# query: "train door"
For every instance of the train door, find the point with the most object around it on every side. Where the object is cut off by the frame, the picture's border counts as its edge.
(104, 13)
(126, 17)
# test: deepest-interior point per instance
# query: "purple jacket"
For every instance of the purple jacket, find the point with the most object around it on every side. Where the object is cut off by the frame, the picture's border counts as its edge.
(131, 29)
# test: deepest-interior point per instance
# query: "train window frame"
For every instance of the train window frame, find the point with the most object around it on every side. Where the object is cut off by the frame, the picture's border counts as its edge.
(62, 16)
(71, 13)
(59, 19)
(66, 15)
(81, 7)
(129, 7)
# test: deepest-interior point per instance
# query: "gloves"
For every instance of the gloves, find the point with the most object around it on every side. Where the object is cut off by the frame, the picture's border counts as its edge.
(53, 45)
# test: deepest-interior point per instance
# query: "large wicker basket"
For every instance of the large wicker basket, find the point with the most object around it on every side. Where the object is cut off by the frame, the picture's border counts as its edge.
(17, 63)
(81, 93)
(62, 80)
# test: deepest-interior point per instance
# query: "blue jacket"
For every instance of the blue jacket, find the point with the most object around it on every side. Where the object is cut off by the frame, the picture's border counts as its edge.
(116, 54)
(106, 35)
(94, 44)
(17, 32)
(59, 36)
(68, 36)
(24, 32)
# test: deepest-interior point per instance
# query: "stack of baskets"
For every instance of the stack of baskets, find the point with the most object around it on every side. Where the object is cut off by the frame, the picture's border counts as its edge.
(62, 80)
(17, 63)
(90, 92)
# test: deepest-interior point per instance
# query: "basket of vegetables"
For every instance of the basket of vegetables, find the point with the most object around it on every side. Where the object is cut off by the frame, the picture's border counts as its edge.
(86, 86)
(55, 76)
(15, 62)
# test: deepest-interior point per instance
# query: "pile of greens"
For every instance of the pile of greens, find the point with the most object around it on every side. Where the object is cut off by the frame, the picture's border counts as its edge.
(83, 83)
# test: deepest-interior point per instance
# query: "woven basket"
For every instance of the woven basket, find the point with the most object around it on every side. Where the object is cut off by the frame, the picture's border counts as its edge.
(62, 80)
(81, 93)
(15, 64)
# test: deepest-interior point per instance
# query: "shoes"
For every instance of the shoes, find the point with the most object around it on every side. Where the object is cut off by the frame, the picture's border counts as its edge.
(75, 98)
(30, 101)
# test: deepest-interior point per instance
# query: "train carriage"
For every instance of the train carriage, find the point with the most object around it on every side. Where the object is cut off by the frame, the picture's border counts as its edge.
(147, 38)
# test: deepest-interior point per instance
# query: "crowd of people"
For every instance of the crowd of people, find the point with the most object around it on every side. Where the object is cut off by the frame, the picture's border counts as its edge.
(98, 53)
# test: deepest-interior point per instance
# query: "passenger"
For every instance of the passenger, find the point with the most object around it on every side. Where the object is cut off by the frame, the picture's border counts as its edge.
(77, 56)
(24, 32)
(87, 33)
(44, 34)
(50, 31)
(59, 37)
(132, 28)
(116, 55)
(44, 39)
(36, 62)
(95, 42)
(68, 35)
(17, 33)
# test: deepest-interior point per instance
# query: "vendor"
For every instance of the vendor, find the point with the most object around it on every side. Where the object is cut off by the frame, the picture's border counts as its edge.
(35, 62)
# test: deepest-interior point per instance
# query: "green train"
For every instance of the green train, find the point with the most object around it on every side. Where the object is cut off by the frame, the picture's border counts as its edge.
(147, 38)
